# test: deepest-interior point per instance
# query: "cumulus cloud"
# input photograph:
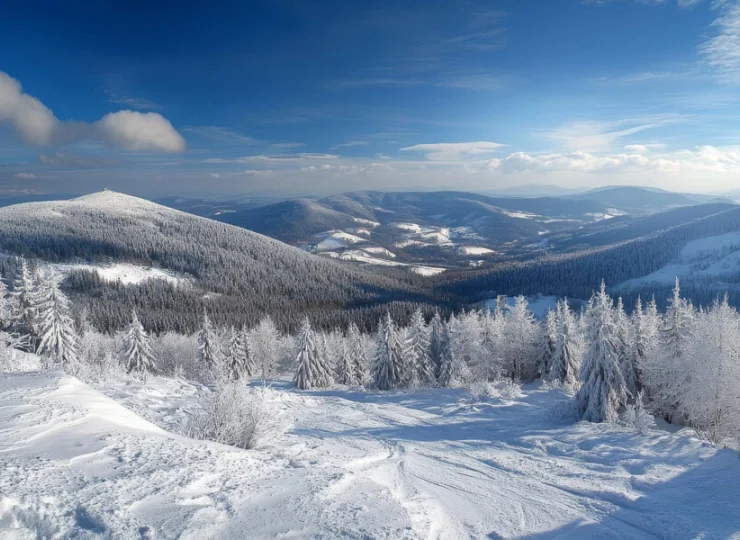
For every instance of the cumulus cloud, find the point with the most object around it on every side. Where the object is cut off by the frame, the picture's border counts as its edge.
(36, 124)
(643, 148)
(133, 130)
(454, 151)
(25, 176)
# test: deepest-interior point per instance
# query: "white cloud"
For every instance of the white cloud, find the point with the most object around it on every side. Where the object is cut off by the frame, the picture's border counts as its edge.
(36, 124)
(31, 119)
(722, 51)
(25, 176)
(262, 158)
(221, 134)
(643, 148)
(454, 151)
(215, 175)
(133, 130)
(601, 136)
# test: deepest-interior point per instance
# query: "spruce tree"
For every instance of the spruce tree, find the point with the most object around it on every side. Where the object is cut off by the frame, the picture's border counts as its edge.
(313, 371)
(58, 339)
(417, 346)
(566, 362)
(137, 352)
(207, 347)
(389, 359)
(603, 390)
(358, 355)
(436, 329)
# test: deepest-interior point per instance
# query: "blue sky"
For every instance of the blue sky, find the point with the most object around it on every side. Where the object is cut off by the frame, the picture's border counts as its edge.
(312, 97)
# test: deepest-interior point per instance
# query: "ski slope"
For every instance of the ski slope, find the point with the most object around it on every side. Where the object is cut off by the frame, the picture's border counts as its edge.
(430, 464)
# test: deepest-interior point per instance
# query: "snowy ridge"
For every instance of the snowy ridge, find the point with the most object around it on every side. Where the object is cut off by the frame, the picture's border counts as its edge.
(430, 464)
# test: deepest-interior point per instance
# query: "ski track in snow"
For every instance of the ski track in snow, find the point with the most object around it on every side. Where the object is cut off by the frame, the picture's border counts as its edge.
(432, 464)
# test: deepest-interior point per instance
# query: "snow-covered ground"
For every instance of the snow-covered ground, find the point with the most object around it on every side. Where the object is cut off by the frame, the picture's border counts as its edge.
(539, 305)
(712, 257)
(427, 270)
(474, 250)
(430, 464)
(126, 273)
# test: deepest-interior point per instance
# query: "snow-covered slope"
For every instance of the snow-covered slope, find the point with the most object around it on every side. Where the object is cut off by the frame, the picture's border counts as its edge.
(431, 464)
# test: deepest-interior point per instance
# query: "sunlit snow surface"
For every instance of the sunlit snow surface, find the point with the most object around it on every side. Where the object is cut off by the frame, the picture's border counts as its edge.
(427, 464)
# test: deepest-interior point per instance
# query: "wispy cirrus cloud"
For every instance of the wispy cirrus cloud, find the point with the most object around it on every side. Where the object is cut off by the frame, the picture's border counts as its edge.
(721, 52)
(263, 158)
(220, 134)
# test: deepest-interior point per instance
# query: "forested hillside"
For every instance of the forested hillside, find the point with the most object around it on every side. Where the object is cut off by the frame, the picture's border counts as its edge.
(242, 275)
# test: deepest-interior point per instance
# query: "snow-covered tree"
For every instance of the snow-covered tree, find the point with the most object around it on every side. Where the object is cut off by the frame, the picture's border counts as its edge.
(313, 370)
(389, 356)
(453, 371)
(436, 329)
(58, 339)
(24, 299)
(208, 351)
(356, 356)
(628, 361)
(603, 390)
(566, 361)
(417, 347)
(236, 357)
(492, 334)
(548, 343)
(666, 370)
(137, 352)
(264, 340)
(467, 346)
(4, 307)
(522, 334)
(646, 324)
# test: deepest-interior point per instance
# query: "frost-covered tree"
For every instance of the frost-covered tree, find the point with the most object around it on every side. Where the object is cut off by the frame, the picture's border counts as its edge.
(492, 334)
(265, 343)
(417, 347)
(467, 345)
(667, 369)
(548, 343)
(313, 370)
(137, 354)
(566, 361)
(646, 324)
(57, 337)
(627, 348)
(522, 334)
(389, 356)
(603, 390)
(24, 299)
(236, 357)
(208, 351)
(356, 356)
(4, 307)
(453, 371)
(436, 329)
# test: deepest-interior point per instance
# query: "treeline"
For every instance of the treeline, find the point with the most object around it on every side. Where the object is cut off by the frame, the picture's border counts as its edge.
(574, 274)
(683, 365)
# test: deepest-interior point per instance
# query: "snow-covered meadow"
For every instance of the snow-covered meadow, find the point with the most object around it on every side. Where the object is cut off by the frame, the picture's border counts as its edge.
(436, 463)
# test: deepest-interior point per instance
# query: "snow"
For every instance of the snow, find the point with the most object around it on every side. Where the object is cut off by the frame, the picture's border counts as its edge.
(521, 215)
(539, 305)
(378, 250)
(362, 255)
(427, 270)
(127, 274)
(337, 239)
(398, 465)
(711, 257)
(411, 227)
(367, 222)
(472, 250)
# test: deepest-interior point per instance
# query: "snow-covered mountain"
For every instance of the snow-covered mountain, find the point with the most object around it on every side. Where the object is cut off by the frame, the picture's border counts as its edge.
(240, 269)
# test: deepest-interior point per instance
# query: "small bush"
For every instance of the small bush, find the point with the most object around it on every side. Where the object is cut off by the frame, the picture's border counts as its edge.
(238, 415)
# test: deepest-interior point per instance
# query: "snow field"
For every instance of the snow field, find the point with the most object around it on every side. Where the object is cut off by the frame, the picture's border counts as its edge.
(427, 464)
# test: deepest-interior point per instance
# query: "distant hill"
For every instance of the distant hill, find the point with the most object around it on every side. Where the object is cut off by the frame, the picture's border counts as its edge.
(638, 199)
(248, 275)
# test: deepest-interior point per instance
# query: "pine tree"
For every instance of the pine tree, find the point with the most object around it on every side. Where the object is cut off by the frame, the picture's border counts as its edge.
(58, 338)
(646, 324)
(667, 370)
(436, 329)
(626, 347)
(566, 361)
(137, 352)
(235, 358)
(207, 347)
(313, 371)
(603, 391)
(4, 314)
(417, 345)
(549, 343)
(389, 359)
(24, 298)
(358, 361)
(522, 334)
